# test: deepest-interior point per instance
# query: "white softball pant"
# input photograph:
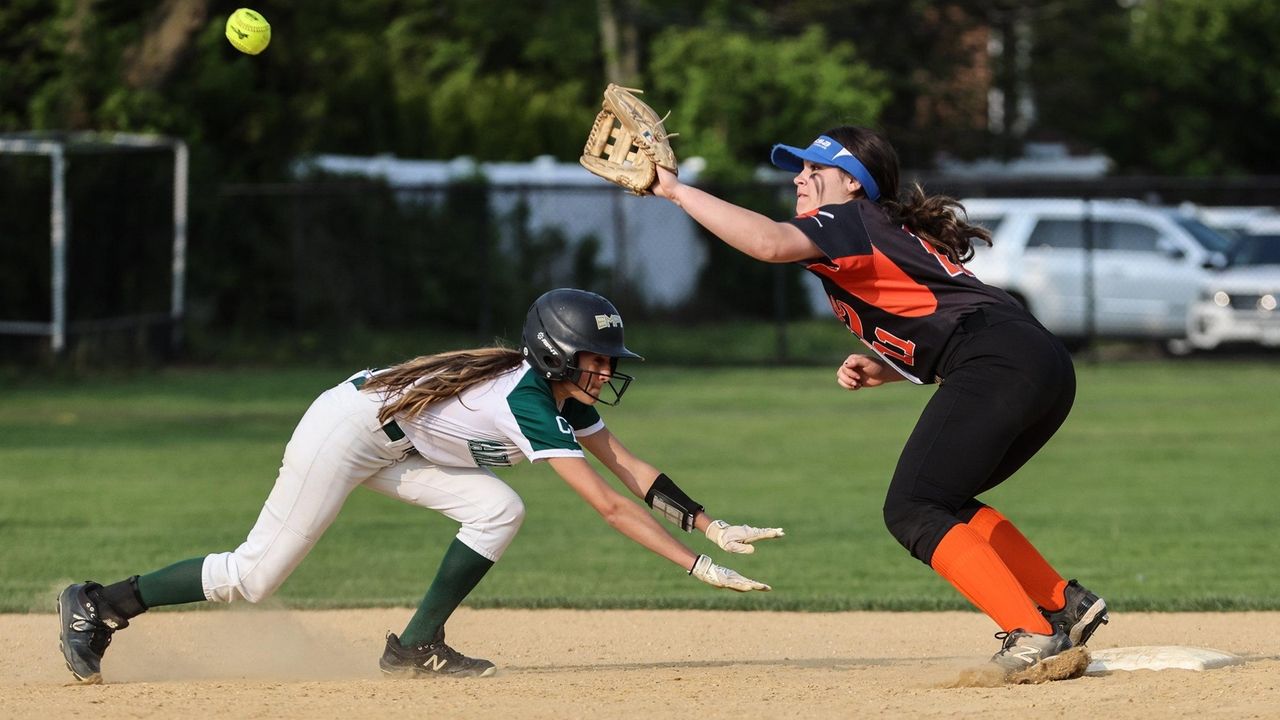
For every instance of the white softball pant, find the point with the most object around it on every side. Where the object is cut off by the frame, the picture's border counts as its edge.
(337, 446)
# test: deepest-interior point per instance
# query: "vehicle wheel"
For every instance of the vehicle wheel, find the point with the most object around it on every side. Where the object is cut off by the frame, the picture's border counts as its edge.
(1177, 347)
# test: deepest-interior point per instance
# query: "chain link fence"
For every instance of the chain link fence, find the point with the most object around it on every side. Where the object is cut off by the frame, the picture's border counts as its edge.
(335, 256)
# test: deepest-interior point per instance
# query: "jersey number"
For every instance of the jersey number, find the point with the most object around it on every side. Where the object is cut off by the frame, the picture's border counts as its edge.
(952, 268)
(891, 345)
(885, 343)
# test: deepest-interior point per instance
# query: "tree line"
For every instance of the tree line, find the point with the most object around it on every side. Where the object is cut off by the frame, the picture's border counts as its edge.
(1167, 87)
(1174, 87)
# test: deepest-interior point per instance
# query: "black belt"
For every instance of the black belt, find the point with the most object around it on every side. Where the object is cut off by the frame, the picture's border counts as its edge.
(392, 430)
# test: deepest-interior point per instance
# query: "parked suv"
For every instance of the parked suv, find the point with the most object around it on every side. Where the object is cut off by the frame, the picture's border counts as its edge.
(1146, 267)
(1239, 305)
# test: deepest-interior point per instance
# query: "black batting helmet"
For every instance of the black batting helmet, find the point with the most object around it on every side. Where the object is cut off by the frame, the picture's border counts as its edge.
(564, 322)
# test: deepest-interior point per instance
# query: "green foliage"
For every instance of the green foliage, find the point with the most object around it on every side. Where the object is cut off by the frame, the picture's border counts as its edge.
(1228, 93)
(1178, 87)
(1158, 492)
(492, 90)
(740, 93)
(31, 44)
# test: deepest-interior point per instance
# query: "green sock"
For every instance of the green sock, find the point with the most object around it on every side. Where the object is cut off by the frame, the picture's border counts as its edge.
(179, 583)
(460, 572)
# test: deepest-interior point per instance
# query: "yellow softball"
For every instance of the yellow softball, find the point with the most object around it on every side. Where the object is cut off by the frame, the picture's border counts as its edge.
(248, 31)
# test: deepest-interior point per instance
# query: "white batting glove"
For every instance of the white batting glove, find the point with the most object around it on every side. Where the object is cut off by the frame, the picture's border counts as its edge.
(738, 538)
(722, 577)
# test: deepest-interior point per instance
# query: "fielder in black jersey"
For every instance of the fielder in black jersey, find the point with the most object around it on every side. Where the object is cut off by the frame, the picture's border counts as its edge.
(894, 273)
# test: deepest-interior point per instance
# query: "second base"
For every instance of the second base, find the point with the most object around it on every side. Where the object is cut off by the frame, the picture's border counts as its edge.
(1158, 657)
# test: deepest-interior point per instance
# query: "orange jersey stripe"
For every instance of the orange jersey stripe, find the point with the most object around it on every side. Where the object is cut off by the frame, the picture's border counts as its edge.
(876, 280)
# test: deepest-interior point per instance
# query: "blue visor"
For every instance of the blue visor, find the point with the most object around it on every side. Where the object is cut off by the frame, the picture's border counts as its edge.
(825, 151)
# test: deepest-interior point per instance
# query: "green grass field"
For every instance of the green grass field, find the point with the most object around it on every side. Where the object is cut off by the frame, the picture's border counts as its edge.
(1159, 492)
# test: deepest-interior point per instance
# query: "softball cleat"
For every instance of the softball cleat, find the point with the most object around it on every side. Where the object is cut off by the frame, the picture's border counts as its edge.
(1081, 616)
(433, 659)
(1023, 649)
(84, 632)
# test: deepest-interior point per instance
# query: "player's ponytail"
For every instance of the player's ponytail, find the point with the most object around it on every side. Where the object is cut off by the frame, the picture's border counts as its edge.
(414, 384)
(937, 219)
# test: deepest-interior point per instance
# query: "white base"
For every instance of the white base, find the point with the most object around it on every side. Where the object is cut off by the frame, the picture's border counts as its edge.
(1158, 657)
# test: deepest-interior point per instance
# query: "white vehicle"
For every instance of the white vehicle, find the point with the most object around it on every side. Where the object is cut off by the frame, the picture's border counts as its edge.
(1146, 267)
(1239, 304)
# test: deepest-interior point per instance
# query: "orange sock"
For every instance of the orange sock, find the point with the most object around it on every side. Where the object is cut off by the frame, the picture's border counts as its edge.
(968, 562)
(1038, 578)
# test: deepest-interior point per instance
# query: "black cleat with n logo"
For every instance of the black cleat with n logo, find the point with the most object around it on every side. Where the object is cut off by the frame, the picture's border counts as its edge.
(431, 659)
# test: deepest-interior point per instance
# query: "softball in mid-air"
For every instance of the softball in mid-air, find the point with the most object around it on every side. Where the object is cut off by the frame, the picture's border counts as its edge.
(248, 31)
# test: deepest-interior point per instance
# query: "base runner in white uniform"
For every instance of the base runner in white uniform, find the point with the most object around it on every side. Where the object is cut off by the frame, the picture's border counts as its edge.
(426, 432)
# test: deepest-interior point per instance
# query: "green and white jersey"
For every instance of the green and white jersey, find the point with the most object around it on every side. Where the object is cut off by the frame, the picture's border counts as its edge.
(500, 422)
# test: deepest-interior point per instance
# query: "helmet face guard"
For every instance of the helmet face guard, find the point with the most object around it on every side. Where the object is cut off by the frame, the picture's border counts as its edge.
(615, 377)
(563, 323)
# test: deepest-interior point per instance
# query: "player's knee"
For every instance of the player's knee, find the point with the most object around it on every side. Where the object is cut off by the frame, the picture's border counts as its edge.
(916, 526)
(899, 519)
(493, 529)
(509, 514)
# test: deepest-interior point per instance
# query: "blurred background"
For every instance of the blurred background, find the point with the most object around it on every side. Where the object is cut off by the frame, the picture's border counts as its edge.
(394, 177)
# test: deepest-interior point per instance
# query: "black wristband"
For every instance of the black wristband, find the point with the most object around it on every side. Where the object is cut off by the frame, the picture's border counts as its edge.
(696, 560)
(667, 498)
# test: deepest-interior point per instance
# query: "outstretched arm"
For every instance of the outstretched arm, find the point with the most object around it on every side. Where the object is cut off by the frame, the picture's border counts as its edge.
(623, 515)
(639, 477)
(742, 229)
(634, 522)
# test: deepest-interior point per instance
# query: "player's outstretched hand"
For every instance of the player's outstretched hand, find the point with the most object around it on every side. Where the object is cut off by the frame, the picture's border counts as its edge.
(738, 538)
(722, 577)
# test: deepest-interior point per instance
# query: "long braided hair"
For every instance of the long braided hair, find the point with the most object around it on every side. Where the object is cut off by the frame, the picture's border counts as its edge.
(937, 219)
(414, 384)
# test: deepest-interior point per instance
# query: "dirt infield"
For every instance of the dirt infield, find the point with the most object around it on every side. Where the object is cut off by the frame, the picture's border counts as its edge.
(619, 664)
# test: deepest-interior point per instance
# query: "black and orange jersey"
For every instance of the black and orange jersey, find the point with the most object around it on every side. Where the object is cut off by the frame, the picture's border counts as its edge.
(895, 291)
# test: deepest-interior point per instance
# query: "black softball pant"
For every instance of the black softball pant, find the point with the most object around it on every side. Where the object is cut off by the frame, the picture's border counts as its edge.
(1008, 386)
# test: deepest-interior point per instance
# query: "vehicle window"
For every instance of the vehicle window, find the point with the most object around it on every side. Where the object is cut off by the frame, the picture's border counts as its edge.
(1057, 234)
(1211, 239)
(1256, 250)
(1126, 236)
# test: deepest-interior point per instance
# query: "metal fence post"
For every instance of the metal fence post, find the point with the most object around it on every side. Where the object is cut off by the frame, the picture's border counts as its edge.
(1090, 280)
(177, 299)
(58, 248)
